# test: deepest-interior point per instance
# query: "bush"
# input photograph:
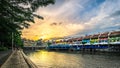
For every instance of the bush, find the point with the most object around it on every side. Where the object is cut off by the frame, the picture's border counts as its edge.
(3, 48)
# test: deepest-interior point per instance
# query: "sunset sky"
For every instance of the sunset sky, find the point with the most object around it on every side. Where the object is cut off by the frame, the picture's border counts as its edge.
(74, 18)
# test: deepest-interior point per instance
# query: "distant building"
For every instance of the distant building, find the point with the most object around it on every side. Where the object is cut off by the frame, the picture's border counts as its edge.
(39, 42)
(27, 42)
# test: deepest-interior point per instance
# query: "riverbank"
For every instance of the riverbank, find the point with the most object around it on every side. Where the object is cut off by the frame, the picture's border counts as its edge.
(4, 56)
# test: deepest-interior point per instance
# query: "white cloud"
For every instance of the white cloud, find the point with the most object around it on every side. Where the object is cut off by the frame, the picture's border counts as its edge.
(75, 18)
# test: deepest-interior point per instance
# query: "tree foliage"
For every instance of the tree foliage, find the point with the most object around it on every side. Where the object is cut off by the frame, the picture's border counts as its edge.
(16, 15)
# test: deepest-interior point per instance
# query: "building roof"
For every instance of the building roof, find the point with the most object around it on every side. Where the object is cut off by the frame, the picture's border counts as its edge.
(115, 33)
(87, 37)
(80, 38)
(95, 36)
(75, 39)
(72, 39)
(104, 35)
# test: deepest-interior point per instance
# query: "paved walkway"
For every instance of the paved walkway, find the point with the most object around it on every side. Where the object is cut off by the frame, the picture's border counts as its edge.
(16, 60)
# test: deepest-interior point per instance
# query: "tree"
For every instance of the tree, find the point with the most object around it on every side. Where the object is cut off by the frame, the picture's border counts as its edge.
(16, 15)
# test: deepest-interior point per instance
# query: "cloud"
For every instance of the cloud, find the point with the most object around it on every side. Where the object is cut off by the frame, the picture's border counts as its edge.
(54, 23)
(76, 17)
(116, 13)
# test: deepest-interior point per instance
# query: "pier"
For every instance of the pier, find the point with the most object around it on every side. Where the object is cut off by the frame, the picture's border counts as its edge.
(18, 59)
(89, 48)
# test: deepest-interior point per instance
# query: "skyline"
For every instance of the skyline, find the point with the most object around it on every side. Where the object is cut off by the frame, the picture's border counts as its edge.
(75, 18)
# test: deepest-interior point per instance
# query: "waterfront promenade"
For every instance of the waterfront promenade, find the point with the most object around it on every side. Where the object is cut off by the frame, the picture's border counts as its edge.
(18, 59)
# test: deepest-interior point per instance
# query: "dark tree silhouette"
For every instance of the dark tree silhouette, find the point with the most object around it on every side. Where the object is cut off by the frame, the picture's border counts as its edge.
(16, 15)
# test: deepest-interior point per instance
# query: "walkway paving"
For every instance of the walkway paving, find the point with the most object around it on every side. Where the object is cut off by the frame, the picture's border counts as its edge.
(16, 60)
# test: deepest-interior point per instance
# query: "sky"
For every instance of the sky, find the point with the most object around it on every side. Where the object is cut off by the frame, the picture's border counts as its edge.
(75, 18)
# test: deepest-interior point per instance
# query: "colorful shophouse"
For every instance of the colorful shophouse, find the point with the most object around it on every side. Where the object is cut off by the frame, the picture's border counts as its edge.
(94, 39)
(79, 40)
(86, 40)
(114, 37)
(103, 38)
(71, 40)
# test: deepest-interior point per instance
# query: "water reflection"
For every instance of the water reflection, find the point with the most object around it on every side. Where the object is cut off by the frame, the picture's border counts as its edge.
(45, 59)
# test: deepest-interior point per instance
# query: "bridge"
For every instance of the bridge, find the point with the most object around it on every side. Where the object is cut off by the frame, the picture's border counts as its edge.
(34, 47)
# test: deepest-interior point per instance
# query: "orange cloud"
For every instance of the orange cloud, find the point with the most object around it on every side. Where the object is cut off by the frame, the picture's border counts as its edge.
(44, 29)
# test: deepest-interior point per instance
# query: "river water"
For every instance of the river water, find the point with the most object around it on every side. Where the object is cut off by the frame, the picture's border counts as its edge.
(48, 59)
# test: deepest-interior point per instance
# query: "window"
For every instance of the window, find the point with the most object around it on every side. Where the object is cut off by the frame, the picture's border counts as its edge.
(105, 40)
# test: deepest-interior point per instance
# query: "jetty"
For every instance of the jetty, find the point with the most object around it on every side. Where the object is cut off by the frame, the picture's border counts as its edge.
(18, 59)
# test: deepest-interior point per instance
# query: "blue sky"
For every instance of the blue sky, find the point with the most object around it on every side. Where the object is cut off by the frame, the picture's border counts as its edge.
(76, 18)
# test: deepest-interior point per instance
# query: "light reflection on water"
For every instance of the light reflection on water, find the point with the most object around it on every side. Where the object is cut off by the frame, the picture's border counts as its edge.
(45, 59)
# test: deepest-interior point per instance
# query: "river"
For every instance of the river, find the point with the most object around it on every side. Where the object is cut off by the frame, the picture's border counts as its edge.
(65, 59)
